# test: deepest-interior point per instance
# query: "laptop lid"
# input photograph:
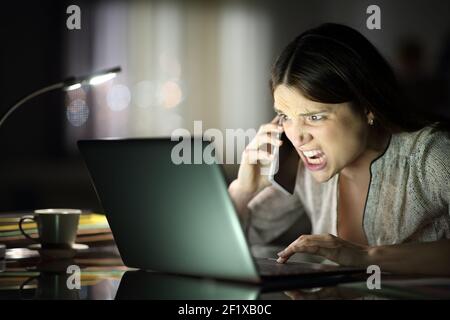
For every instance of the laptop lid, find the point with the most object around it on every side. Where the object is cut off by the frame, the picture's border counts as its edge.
(168, 217)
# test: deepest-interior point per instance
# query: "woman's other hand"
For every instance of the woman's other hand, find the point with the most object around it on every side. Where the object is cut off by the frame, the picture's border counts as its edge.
(330, 247)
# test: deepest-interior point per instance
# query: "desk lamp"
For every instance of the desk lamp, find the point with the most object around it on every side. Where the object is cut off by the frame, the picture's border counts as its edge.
(71, 83)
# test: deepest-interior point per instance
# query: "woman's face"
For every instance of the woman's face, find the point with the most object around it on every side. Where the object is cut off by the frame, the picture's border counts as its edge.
(328, 137)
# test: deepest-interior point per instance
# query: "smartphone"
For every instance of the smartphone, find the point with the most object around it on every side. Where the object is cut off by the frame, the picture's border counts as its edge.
(283, 169)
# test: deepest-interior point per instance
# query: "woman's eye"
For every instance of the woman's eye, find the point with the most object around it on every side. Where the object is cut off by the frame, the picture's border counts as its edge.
(316, 117)
(283, 117)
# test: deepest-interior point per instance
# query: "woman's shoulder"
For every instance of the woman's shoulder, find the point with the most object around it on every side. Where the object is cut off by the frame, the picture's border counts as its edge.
(422, 143)
(425, 154)
(414, 177)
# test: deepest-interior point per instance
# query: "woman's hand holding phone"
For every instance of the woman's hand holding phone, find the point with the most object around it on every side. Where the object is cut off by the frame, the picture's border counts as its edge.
(257, 157)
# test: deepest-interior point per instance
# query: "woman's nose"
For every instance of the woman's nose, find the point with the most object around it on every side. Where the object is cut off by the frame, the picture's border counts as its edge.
(300, 136)
(300, 139)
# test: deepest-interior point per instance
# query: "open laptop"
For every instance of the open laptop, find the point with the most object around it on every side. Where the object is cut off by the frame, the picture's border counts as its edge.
(179, 218)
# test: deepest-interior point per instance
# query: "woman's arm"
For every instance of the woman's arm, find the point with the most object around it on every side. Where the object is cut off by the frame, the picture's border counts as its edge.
(431, 258)
(427, 258)
(240, 198)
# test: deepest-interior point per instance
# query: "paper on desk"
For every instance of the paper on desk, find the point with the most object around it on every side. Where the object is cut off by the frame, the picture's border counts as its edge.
(92, 219)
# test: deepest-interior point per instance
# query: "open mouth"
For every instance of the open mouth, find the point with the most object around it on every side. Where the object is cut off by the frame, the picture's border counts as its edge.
(314, 159)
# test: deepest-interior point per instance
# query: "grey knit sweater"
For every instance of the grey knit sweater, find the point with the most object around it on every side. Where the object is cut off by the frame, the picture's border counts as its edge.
(408, 198)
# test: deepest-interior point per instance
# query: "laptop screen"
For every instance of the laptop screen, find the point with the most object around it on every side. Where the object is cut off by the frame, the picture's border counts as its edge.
(168, 215)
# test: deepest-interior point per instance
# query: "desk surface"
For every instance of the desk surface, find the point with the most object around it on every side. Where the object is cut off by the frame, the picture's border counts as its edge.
(103, 276)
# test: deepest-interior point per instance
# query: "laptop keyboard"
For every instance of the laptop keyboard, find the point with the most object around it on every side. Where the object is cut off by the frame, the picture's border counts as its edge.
(270, 267)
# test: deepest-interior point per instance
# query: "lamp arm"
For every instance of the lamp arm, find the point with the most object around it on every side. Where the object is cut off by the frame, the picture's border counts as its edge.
(31, 96)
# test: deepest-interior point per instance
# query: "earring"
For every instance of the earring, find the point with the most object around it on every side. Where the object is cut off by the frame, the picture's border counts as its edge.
(371, 122)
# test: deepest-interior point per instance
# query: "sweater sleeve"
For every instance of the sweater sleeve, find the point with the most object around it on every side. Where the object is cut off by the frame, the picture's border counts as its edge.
(273, 213)
(433, 172)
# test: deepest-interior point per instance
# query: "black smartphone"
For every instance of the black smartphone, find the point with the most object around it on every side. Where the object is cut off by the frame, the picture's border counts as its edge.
(283, 169)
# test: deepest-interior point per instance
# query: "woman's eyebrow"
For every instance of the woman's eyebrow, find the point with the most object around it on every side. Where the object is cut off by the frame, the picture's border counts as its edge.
(313, 113)
(322, 110)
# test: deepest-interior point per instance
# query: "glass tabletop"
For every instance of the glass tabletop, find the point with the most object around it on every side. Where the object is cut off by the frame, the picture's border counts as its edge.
(99, 274)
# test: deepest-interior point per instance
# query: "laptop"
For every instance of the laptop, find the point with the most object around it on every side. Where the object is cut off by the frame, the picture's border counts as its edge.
(176, 217)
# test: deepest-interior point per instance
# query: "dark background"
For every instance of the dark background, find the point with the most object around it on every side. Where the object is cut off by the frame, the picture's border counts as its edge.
(39, 170)
(36, 169)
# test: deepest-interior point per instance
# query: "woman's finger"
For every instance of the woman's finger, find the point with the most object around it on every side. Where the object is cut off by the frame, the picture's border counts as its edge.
(263, 139)
(324, 240)
(327, 237)
(329, 253)
(323, 245)
(276, 119)
(270, 127)
(254, 156)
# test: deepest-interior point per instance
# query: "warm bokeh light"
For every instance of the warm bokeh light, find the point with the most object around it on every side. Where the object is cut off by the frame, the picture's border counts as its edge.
(170, 94)
(208, 62)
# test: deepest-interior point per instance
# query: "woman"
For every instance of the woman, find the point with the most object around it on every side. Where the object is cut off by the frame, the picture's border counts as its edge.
(374, 177)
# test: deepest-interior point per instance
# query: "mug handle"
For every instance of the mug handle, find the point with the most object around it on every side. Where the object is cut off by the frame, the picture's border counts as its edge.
(23, 284)
(23, 231)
